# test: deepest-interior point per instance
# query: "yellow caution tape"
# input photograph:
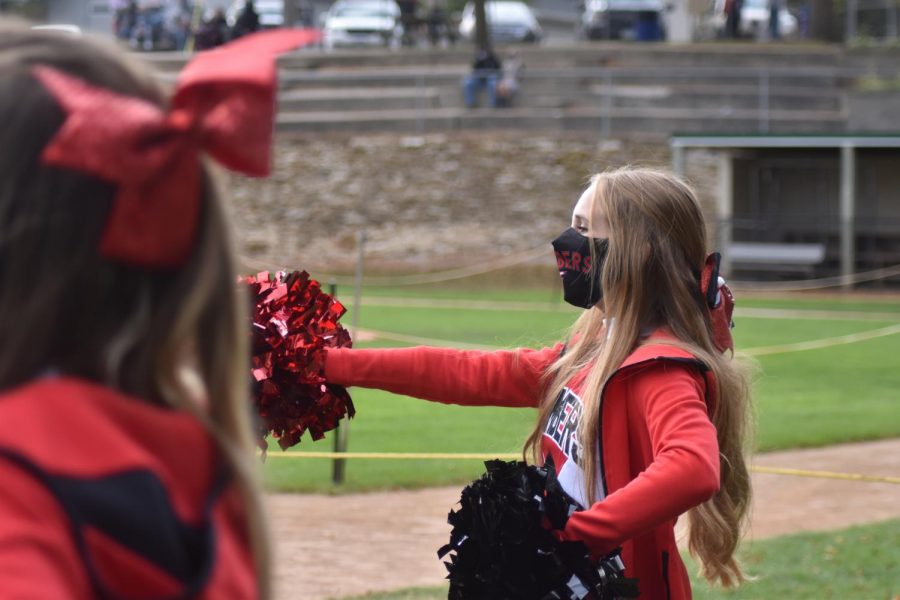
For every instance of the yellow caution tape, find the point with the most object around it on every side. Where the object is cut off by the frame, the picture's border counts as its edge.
(826, 474)
(479, 456)
(395, 455)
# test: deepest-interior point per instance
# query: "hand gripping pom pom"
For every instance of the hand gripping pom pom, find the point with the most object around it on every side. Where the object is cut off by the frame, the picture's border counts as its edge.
(504, 549)
(293, 322)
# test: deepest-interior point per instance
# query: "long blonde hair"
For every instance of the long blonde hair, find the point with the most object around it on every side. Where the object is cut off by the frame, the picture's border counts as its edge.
(657, 245)
(62, 306)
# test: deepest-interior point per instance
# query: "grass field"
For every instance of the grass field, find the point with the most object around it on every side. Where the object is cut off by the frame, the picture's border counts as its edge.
(860, 563)
(840, 393)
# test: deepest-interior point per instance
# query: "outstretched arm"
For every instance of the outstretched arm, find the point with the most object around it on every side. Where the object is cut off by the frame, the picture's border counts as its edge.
(467, 377)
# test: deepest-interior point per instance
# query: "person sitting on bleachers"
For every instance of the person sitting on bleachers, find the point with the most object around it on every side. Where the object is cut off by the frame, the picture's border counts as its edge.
(485, 74)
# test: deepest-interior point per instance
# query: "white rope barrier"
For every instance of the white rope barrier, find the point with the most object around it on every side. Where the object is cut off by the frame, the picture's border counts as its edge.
(480, 268)
(517, 258)
(804, 285)
(823, 342)
(816, 344)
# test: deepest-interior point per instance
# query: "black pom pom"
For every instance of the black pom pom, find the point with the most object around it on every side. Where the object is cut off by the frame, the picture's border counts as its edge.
(501, 546)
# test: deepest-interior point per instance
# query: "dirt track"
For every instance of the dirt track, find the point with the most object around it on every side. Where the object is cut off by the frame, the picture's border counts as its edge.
(335, 546)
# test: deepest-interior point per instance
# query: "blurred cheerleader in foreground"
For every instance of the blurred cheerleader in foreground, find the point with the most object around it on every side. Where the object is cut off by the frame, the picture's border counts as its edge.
(126, 451)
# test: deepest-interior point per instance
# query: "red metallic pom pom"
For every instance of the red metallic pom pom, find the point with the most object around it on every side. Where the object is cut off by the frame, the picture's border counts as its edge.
(293, 322)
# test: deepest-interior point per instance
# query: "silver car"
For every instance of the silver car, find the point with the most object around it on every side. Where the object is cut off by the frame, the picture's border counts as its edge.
(508, 21)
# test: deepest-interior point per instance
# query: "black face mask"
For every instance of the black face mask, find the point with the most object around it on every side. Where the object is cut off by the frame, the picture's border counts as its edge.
(581, 284)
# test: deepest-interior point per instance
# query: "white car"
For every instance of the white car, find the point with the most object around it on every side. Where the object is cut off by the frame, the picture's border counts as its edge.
(755, 19)
(508, 21)
(362, 23)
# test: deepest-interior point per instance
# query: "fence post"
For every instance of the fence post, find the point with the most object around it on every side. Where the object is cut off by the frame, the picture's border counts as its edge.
(678, 160)
(725, 209)
(357, 282)
(764, 101)
(848, 214)
(420, 101)
(891, 18)
(606, 126)
(342, 434)
(196, 17)
(852, 9)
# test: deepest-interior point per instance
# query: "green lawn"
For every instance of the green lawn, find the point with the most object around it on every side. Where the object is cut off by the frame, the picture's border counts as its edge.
(388, 423)
(820, 397)
(511, 328)
(811, 398)
(859, 563)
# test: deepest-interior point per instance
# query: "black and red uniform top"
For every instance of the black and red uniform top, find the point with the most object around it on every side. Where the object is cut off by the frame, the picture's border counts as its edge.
(106, 496)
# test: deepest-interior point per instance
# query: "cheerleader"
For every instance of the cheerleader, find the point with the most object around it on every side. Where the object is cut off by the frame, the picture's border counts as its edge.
(641, 407)
(126, 454)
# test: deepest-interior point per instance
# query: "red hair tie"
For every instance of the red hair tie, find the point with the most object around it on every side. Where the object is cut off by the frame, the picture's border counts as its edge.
(720, 302)
(224, 105)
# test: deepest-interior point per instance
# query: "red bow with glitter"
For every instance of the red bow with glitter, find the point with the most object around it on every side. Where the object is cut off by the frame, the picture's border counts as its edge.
(720, 302)
(224, 105)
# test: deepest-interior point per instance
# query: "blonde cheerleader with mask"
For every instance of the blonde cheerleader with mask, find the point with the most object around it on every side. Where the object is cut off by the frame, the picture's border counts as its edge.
(642, 408)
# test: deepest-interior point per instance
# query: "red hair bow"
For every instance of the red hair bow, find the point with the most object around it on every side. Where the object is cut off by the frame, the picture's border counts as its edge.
(720, 302)
(224, 105)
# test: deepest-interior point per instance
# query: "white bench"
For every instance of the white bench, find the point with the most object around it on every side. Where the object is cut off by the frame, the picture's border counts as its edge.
(765, 256)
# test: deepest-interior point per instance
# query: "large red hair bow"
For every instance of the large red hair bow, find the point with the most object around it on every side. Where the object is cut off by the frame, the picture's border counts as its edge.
(224, 105)
(720, 302)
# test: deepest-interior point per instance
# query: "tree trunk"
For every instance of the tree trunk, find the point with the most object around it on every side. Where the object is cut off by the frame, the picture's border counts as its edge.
(291, 14)
(482, 35)
(822, 21)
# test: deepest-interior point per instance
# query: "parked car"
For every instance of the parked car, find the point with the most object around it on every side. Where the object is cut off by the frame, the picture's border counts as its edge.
(271, 12)
(755, 19)
(508, 21)
(624, 20)
(362, 23)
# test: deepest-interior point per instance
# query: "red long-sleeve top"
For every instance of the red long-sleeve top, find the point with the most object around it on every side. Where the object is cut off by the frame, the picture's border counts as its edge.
(658, 451)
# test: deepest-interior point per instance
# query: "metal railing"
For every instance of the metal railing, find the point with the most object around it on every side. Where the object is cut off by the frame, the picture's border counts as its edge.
(761, 94)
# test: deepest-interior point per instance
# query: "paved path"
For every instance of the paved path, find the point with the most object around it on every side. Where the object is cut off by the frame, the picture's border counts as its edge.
(335, 546)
